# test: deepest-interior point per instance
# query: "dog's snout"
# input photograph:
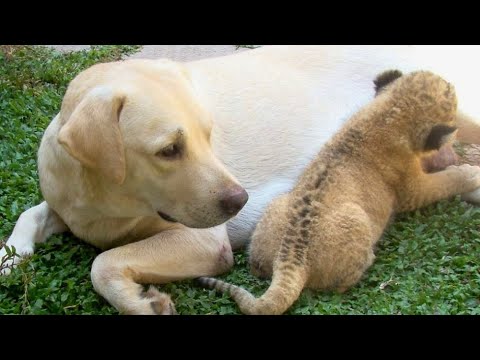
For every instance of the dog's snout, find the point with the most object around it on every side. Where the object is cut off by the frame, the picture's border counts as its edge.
(234, 200)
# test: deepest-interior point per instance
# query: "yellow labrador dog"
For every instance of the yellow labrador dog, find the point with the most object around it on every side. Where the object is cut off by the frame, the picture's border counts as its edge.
(148, 159)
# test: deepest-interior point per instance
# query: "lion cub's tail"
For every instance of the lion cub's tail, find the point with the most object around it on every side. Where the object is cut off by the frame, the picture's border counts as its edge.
(286, 286)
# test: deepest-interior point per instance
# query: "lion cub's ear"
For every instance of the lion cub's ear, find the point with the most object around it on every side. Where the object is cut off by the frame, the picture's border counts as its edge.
(439, 135)
(385, 78)
(92, 133)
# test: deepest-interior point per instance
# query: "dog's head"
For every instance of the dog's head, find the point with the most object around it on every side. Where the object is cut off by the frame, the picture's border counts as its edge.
(138, 126)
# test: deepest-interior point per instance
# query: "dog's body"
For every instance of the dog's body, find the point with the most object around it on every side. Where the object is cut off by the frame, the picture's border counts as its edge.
(264, 114)
(322, 234)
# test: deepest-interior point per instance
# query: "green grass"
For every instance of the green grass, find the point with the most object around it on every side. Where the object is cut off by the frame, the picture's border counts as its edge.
(428, 262)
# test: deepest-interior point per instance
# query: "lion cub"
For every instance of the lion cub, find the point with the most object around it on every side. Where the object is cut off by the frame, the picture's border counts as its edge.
(322, 234)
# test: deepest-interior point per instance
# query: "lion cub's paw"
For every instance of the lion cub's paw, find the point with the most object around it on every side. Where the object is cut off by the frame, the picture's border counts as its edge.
(472, 197)
(470, 174)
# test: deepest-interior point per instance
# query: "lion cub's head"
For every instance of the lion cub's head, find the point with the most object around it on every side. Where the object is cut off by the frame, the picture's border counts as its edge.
(421, 106)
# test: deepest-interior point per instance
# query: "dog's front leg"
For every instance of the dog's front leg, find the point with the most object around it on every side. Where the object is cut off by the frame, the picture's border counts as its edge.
(34, 225)
(117, 274)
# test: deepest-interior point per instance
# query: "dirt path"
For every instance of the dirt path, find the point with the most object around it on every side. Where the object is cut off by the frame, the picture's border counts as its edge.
(173, 52)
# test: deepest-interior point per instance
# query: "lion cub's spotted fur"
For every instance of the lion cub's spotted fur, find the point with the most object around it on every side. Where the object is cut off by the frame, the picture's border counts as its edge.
(322, 234)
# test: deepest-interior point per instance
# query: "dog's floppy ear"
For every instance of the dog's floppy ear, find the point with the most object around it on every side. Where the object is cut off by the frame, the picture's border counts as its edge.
(92, 133)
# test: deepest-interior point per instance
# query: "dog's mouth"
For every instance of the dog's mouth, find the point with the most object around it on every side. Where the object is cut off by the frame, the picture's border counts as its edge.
(166, 217)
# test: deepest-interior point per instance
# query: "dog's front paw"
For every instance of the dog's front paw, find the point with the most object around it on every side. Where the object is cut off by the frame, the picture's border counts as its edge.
(11, 258)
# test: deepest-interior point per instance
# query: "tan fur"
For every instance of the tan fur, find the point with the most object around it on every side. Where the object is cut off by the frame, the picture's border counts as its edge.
(321, 235)
(99, 115)
(101, 168)
(468, 130)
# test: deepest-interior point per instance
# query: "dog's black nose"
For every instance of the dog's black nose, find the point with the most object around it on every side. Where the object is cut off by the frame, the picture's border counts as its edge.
(234, 200)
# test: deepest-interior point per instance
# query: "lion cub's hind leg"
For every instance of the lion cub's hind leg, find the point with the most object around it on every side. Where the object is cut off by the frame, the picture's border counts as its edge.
(342, 248)
(266, 239)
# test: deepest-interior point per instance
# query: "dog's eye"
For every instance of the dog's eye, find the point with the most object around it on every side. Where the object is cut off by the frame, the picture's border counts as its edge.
(170, 152)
